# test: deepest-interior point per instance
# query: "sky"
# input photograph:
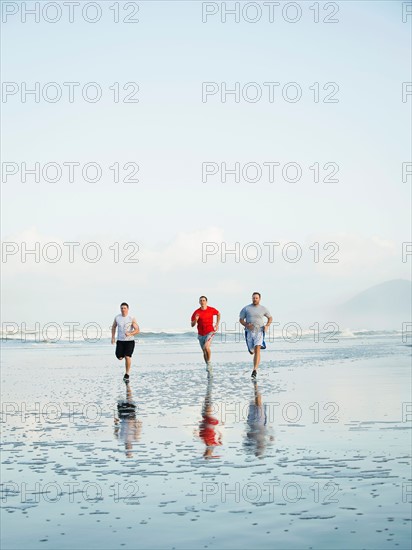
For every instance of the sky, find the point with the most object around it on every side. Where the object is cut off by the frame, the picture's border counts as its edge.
(174, 144)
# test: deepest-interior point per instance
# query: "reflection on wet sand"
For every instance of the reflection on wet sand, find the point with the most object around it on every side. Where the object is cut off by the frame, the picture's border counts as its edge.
(208, 430)
(258, 434)
(127, 427)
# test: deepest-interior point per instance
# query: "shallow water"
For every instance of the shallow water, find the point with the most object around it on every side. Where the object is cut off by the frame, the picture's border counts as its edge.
(316, 454)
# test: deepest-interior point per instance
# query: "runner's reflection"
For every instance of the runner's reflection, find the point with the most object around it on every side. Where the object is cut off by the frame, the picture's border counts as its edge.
(257, 431)
(208, 430)
(127, 427)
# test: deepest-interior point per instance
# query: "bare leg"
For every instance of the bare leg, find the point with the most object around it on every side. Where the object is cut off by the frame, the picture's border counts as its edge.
(207, 352)
(256, 358)
(128, 364)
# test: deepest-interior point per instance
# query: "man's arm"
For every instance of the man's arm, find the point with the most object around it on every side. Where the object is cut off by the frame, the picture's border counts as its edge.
(114, 325)
(194, 320)
(216, 327)
(136, 328)
(270, 319)
(242, 319)
(246, 325)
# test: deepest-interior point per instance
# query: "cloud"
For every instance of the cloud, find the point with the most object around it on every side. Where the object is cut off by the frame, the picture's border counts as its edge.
(183, 251)
(357, 255)
(98, 257)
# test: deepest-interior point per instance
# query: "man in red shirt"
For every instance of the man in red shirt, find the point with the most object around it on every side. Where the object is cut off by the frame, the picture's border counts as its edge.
(204, 317)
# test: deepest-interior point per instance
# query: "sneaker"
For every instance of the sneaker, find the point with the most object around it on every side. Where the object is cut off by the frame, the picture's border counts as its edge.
(126, 378)
(254, 373)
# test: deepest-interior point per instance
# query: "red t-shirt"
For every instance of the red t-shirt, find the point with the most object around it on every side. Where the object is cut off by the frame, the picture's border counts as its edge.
(205, 322)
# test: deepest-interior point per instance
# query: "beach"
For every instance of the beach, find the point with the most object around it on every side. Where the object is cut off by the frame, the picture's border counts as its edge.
(314, 455)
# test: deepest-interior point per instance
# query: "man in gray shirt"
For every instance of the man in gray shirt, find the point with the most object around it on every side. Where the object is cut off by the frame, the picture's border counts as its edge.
(252, 317)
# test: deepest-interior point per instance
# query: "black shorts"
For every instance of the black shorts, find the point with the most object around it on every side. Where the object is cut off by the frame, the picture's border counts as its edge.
(124, 348)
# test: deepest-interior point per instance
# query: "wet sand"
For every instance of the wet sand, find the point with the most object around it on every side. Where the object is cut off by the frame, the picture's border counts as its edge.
(316, 454)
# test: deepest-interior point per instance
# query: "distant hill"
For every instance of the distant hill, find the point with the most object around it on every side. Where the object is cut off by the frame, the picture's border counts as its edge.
(383, 306)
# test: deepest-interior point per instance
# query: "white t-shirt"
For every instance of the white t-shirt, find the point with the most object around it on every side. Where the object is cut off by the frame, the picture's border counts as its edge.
(124, 324)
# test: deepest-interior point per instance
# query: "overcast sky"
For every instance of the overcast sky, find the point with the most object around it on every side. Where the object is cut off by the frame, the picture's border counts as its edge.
(362, 134)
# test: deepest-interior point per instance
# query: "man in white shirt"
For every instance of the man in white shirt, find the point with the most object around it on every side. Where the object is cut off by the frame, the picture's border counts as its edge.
(127, 327)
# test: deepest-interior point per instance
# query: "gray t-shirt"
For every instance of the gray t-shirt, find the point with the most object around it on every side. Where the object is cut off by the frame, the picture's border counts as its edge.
(255, 315)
